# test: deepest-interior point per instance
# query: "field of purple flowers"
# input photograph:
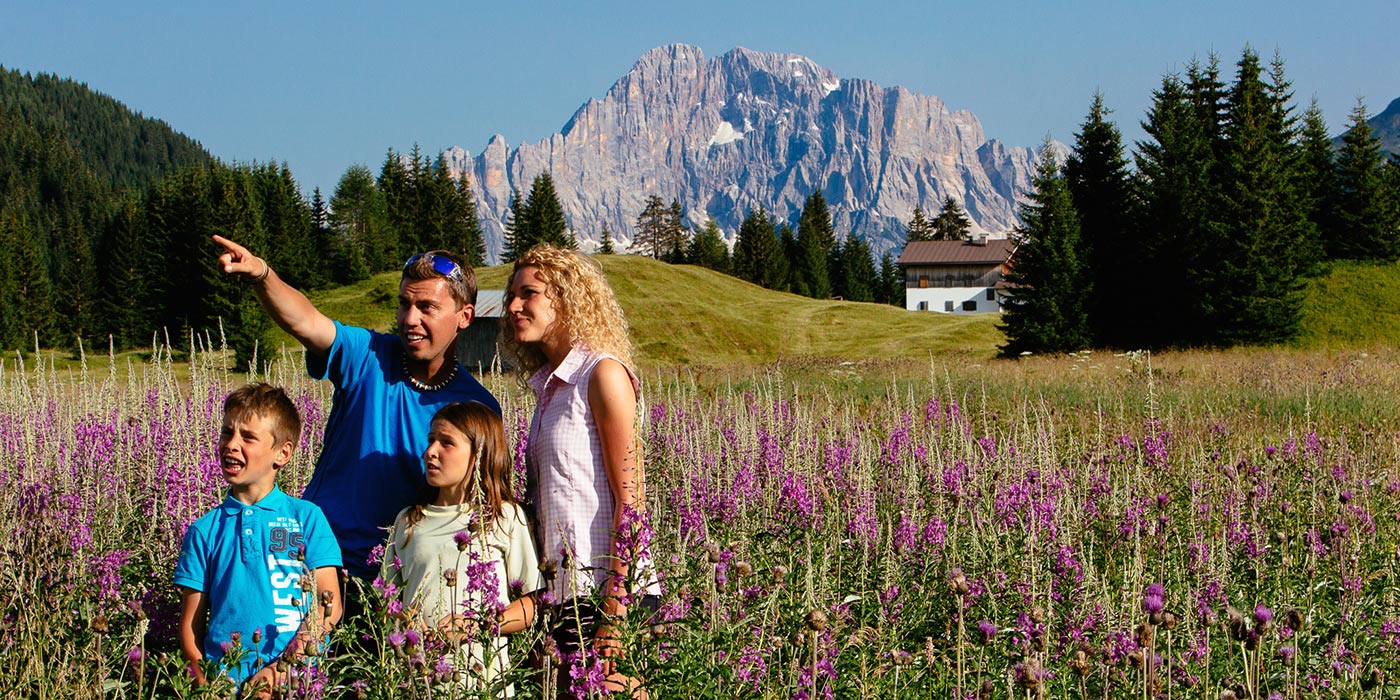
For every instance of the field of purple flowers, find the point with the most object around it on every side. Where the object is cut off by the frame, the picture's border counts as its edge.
(1216, 526)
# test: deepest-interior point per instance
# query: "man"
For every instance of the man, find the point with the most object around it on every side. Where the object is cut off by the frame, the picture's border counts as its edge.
(387, 389)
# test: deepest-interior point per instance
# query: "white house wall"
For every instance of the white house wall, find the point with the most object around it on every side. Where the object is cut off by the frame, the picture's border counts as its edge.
(937, 298)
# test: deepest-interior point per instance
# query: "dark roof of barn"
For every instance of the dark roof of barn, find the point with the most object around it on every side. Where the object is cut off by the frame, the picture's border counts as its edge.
(991, 252)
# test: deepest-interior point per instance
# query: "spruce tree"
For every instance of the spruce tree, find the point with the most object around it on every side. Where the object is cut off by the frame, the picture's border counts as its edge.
(756, 252)
(708, 249)
(815, 237)
(891, 290)
(1366, 221)
(677, 233)
(517, 239)
(1099, 182)
(1254, 290)
(920, 228)
(1317, 175)
(952, 223)
(1048, 283)
(74, 286)
(605, 243)
(357, 218)
(541, 219)
(1176, 184)
(396, 235)
(858, 270)
(125, 308)
(650, 236)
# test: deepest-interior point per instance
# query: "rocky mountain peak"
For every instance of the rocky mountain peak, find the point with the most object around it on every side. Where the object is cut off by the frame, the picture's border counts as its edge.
(753, 129)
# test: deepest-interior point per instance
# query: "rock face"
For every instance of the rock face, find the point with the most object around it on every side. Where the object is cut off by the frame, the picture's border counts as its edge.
(749, 130)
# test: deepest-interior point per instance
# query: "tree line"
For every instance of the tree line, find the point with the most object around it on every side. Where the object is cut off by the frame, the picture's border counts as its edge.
(1235, 201)
(809, 260)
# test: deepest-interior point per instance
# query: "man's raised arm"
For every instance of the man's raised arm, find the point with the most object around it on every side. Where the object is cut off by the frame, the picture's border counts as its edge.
(289, 308)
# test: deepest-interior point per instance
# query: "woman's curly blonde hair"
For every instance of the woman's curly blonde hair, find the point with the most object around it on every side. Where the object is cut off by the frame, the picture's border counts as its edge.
(584, 304)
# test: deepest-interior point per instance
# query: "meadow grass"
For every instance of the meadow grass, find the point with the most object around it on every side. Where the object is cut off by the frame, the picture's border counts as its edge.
(1183, 525)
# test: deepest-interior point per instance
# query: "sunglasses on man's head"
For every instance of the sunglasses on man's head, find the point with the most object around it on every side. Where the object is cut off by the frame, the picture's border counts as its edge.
(443, 266)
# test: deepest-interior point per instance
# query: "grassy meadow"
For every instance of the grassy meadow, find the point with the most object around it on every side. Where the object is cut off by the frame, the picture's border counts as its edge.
(840, 510)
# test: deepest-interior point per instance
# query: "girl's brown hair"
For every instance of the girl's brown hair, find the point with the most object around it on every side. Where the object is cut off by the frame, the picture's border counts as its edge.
(491, 475)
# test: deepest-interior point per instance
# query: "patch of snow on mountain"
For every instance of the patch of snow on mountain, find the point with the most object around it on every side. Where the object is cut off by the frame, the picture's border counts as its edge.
(797, 74)
(725, 133)
(831, 87)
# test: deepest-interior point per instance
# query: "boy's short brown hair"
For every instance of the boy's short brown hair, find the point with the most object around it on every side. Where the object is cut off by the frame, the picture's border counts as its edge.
(267, 401)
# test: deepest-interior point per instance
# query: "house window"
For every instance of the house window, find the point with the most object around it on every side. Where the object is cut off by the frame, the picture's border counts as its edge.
(969, 305)
(923, 282)
(991, 294)
(948, 306)
(923, 306)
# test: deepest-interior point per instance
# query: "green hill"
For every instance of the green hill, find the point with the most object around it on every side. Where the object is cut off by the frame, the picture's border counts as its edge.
(681, 314)
(1353, 305)
(122, 148)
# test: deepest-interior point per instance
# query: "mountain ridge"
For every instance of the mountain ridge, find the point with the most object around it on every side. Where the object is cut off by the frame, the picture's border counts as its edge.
(747, 129)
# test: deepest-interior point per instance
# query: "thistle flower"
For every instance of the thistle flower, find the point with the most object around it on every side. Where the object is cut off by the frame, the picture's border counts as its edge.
(988, 630)
(463, 538)
(396, 639)
(816, 620)
(1293, 620)
(449, 577)
(743, 569)
(780, 572)
(411, 637)
(1262, 617)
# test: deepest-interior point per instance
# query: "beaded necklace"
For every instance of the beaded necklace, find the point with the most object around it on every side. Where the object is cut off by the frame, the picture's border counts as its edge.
(421, 386)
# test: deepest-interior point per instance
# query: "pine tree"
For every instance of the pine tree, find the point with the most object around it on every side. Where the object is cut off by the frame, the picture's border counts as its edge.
(1366, 222)
(708, 249)
(1045, 313)
(1099, 182)
(920, 228)
(815, 238)
(756, 253)
(951, 224)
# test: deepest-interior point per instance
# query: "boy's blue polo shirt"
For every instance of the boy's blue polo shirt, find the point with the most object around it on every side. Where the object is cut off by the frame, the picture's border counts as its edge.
(244, 558)
(371, 462)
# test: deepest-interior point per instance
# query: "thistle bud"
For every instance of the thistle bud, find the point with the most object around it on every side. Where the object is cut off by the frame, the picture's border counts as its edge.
(307, 583)
(1237, 625)
(780, 572)
(816, 620)
(1293, 619)
(327, 599)
(1169, 620)
(257, 636)
(449, 577)
(1373, 679)
(100, 624)
(712, 552)
(743, 569)
(958, 582)
(548, 568)
(1079, 661)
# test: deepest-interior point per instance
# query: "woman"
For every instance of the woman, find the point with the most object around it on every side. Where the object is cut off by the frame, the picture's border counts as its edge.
(569, 337)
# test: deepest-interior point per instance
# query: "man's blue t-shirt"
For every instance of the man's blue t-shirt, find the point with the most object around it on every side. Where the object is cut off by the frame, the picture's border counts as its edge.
(245, 560)
(371, 464)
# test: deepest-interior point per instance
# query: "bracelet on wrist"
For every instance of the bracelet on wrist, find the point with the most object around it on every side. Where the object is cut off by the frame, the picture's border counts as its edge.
(267, 270)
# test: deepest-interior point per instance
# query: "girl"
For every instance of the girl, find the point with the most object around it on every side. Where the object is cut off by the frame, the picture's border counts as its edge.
(569, 337)
(460, 555)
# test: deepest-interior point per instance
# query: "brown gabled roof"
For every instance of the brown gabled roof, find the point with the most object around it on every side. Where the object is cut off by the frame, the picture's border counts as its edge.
(994, 251)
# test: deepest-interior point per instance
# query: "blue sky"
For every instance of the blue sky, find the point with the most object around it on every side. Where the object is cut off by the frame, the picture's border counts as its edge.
(323, 85)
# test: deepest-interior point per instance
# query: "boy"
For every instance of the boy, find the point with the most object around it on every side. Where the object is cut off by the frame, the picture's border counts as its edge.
(246, 568)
